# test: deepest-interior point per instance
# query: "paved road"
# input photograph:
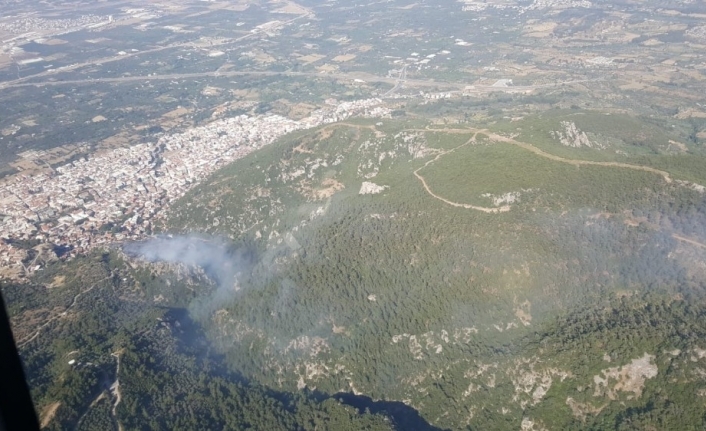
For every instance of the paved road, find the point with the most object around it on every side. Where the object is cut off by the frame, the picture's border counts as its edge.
(400, 80)
(20, 81)
(451, 86)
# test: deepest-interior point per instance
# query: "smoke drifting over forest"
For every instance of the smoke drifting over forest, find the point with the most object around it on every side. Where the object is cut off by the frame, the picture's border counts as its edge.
(220, 261)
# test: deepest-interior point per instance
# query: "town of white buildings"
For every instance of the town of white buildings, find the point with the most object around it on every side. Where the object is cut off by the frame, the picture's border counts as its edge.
(116, 195)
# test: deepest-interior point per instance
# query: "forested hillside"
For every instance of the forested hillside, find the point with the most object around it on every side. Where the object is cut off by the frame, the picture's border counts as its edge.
(537, 274)
(487, 275)
(119, 352)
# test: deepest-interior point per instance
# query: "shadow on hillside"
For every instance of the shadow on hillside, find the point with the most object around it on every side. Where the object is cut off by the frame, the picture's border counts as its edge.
(194, 341)
(405, 417)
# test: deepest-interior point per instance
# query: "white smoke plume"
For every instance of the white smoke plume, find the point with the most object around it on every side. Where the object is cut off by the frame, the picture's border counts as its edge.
(220, 261)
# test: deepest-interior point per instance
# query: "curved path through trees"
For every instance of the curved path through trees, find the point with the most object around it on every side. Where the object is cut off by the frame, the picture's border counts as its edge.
(497, 138)
(537, 151)
(523, 145)
(446, 201)
(24, 342)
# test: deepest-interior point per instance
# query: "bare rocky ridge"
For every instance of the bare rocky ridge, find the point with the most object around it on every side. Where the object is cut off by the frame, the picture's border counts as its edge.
(368, 188)
(573, 137)
(628, 378)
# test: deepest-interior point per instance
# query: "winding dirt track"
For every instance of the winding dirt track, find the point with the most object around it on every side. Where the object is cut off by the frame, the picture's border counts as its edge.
(497, 138)
(574, 162)
(115, 389)
(24, 342)
(688, 240)
(523, 145)
(446, 201)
